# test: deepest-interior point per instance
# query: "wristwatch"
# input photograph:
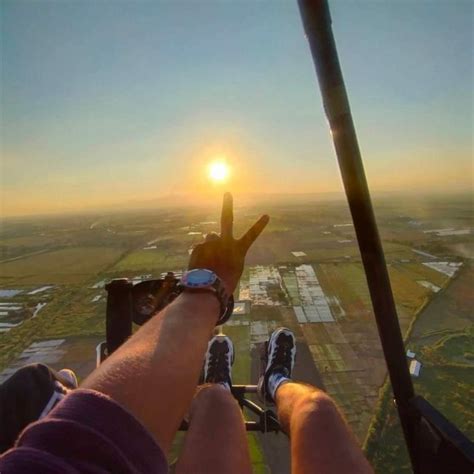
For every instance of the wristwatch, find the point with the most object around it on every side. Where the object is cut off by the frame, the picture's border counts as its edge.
(203, 280)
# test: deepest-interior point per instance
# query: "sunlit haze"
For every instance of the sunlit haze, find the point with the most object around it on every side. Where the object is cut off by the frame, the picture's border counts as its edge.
(116, 104)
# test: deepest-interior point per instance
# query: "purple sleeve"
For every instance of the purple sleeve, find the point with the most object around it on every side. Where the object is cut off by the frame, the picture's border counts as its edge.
(87, 432)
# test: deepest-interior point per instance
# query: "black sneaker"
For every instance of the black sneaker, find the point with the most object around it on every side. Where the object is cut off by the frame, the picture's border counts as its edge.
(28, 395)
(279, 358)
(218, 360)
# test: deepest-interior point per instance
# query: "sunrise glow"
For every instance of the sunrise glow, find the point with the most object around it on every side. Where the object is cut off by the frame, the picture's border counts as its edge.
(218, 171)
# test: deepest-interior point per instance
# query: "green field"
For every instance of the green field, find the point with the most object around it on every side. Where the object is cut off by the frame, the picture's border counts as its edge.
(449, 389)
(14, 341)
(240, 336)
(27, 241)
(79, 317)
(458, 348)
(65, 266)
(418, 271)
(155, 261)
(443, 340)
(347, 282)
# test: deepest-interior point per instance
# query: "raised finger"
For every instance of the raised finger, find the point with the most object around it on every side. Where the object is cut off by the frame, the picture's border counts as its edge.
(251, 235)
(227, 217)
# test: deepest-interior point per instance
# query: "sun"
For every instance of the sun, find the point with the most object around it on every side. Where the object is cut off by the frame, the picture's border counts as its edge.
(218, 171)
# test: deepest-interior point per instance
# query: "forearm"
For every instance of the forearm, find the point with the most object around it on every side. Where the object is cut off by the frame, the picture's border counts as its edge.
(154, 374)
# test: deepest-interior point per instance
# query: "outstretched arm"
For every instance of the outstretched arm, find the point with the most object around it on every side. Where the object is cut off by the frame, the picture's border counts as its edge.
(154, 374)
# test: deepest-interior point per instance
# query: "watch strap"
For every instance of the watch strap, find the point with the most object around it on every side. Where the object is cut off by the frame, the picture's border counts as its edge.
(218, 289)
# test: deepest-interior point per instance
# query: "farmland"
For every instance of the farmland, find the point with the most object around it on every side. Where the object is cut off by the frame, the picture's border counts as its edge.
(442, 337)
(159, 260)
(305, 272)
(65, 266)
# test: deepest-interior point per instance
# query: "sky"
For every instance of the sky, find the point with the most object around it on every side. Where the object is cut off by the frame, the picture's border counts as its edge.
(116, 102)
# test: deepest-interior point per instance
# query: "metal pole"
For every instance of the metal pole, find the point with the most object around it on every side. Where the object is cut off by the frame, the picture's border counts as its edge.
(317, 24)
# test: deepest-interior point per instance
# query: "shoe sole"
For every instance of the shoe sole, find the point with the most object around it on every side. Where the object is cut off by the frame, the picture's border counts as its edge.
(268, 348)
(231, 348)
(231, 345)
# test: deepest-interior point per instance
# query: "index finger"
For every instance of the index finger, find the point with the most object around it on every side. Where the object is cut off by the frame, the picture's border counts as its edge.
(227, 217)
(251, 235)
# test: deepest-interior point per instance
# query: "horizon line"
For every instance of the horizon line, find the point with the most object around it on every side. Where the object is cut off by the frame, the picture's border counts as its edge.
(140, 205)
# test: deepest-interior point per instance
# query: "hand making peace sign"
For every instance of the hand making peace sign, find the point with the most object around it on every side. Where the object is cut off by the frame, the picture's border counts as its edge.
(224, 254)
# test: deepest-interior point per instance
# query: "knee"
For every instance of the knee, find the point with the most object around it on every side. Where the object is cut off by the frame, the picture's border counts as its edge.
(316, 403)
(215, 396)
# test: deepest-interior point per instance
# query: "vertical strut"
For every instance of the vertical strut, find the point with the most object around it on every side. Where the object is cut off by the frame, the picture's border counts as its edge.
(317, 25)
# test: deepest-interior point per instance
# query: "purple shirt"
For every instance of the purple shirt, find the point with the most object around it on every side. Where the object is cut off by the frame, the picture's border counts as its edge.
(87, 432)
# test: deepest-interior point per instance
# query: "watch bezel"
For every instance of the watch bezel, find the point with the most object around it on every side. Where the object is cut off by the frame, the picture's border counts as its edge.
(187, 282)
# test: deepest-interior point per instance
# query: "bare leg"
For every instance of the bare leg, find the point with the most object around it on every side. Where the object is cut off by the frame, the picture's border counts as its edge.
(216, 441)
(320, 439)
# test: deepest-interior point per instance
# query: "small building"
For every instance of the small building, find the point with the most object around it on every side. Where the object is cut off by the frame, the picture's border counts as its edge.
(415, 367)
(410, 354)
(241, 307)
(299, 254)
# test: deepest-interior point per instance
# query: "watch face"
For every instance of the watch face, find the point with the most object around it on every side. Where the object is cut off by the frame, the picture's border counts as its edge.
(199, 278)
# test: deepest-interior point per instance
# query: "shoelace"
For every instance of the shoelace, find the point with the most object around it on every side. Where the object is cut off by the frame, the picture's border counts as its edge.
(218, 367)
(282, 354)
